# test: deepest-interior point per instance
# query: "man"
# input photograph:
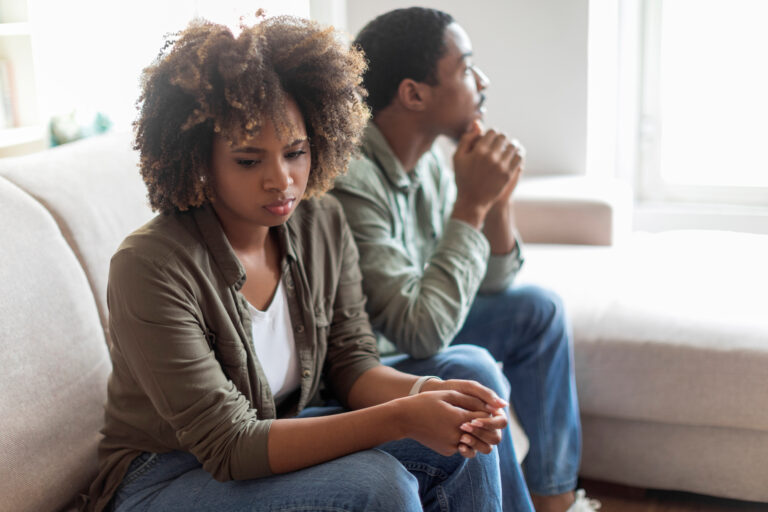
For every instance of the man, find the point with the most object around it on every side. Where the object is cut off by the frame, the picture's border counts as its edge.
(439, 250)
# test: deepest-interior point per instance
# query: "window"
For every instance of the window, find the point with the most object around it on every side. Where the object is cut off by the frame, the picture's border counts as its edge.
(703, 124)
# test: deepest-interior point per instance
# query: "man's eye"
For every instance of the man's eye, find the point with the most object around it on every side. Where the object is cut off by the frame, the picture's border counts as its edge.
(295, 154)
(246, 162)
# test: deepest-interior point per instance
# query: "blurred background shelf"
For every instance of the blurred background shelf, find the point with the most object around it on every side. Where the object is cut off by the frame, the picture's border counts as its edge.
(22, 129)
(22, 140)
(15, 28)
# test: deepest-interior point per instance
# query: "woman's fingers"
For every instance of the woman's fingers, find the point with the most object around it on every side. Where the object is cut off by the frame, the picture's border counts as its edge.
(463, 400)
(491, 401)
(487, 431)
(467, 451)
(476, 443)
(450, 421)
(498, 420)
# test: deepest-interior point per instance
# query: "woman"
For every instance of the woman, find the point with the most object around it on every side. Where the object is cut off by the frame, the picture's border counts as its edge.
(241, 305)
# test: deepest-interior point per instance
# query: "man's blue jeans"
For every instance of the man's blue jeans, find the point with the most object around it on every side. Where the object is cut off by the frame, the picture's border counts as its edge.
(474, 363)
(397, 476)
(526, 328)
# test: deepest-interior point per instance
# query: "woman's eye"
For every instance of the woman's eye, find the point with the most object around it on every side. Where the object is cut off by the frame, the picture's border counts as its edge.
(295, 154)
(246, 162)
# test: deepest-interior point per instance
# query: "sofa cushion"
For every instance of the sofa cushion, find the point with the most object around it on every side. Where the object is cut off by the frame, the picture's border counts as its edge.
(728, 462)
(54, 361)
(669, 327)
(94, 191)
(572, 210)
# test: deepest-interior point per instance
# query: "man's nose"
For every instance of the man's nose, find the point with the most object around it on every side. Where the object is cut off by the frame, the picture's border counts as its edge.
(481, 79)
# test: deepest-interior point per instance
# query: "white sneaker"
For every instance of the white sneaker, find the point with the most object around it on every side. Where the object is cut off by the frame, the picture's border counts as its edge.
(583, 504)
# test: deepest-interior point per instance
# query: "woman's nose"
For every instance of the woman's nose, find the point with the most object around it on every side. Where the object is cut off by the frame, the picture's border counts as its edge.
(279, 177)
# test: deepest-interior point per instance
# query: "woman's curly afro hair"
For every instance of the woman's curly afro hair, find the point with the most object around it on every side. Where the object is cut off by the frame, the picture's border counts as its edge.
(206, 81)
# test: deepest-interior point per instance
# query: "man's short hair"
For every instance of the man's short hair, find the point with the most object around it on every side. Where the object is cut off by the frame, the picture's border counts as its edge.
(400, 44)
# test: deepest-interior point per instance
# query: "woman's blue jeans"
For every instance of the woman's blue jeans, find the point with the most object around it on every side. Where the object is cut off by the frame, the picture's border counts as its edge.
(397, 476)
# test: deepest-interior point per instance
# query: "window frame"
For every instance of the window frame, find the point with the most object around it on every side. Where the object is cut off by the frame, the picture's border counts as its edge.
(649, 182)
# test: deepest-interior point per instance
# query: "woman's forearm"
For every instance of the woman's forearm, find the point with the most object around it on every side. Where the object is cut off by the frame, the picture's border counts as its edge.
(378, 385)
(302, 442)
(375, 419)
(439, 419)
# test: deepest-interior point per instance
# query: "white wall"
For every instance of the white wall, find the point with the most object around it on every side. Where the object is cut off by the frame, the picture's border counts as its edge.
(535, 52)
(329, 12)
(90, 53)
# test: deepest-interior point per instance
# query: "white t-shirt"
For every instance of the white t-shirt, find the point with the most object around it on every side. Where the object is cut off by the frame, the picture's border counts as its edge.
(275, 346)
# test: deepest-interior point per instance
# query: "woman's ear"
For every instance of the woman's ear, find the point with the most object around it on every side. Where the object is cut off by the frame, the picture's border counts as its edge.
(412, 94)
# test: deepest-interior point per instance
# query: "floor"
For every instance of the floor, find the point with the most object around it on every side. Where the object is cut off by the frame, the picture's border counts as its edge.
(620, 498)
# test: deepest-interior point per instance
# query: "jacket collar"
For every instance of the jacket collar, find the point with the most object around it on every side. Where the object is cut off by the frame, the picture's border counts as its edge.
(376, 147)
(221, 250)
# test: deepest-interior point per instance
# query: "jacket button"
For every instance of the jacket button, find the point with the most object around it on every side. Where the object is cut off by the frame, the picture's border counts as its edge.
(306, 373)
(300, 329)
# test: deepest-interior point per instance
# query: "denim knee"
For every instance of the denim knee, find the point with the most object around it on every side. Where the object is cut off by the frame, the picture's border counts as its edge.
(385, 484)
(538, 300)
(542, 308)
(472, 362)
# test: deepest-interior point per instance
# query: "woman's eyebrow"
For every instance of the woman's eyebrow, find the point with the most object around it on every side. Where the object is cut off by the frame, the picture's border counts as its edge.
(248, 149)
(296, 143)
(254, 149)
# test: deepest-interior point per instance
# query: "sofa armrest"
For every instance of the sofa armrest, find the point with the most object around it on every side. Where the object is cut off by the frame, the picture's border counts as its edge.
(572, 210)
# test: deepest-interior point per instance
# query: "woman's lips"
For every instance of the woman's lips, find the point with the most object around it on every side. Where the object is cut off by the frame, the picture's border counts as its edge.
(280, 207)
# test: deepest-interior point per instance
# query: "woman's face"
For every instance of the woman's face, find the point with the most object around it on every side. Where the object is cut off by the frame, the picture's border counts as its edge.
(260, 181)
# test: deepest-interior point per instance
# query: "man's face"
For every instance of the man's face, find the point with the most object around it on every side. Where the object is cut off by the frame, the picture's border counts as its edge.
(457, 99)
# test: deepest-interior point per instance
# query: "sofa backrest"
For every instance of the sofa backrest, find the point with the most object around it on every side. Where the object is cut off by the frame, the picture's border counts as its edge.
(95, 193)
(63, 213)
(53, 361)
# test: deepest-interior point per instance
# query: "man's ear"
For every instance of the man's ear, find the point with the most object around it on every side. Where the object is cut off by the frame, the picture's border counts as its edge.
(413, 95)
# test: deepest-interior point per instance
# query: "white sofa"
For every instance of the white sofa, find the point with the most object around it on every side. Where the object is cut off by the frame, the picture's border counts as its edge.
(671, 345)
(670, 342)
(63, 212)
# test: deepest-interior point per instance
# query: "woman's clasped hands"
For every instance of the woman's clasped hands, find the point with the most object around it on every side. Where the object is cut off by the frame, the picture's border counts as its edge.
(455, 415)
